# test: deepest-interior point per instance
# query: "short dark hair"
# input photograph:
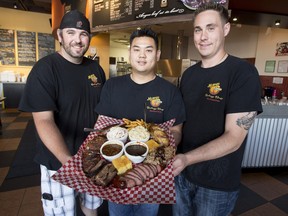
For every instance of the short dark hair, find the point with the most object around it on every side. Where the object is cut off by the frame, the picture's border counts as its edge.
(223, 12)
(145, 32)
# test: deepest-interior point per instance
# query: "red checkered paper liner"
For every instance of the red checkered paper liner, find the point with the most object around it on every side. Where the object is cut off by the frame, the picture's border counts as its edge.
(160, 189)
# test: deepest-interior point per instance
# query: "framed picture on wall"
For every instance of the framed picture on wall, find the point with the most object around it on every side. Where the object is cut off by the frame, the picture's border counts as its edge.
(270, 66)
(282, 49)
(283, 66)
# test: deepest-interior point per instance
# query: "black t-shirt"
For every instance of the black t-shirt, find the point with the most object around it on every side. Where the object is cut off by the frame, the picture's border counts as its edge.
(123, 98)
(209, 94)
(71, 91)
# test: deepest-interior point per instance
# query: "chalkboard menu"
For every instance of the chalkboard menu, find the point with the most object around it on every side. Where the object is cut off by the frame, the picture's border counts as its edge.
(46, 44)
(26, 48)
(7, 47)
(107, 12)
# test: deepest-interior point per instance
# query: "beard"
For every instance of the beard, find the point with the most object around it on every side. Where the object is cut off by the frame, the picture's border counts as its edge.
(73, 49)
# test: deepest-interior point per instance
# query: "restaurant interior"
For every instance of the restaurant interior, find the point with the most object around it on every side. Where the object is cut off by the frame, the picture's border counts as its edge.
(259, 34)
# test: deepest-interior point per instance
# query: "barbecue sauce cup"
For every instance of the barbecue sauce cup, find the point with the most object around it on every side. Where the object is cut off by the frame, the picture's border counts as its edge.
(112, 149)
(136, 151)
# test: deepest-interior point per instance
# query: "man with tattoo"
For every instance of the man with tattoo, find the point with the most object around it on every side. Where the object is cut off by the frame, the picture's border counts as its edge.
(222, 98)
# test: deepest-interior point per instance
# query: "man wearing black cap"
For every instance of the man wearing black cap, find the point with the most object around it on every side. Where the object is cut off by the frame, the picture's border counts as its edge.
(61, 92)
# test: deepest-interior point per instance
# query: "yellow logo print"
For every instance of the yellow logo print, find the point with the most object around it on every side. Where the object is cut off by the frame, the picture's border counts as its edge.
(214, 88)
(93, 79)
(155, 101)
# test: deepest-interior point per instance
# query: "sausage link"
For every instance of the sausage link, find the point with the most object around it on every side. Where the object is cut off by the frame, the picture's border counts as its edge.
(154, 169)
(139, 169)
(149, 170)
(129, 181)
(135, 177)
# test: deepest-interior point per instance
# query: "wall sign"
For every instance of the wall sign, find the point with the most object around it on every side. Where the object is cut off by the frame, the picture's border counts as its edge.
(26, 48)
(46, 44)
(7, 47)
(283, 66)
(107, 12)
(270, 66)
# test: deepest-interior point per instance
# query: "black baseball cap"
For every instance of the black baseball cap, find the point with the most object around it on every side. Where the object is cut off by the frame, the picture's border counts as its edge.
(75, 19)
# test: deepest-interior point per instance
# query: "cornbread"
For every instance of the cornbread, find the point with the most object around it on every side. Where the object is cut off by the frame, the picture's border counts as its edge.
(152, 145)
(122, 164)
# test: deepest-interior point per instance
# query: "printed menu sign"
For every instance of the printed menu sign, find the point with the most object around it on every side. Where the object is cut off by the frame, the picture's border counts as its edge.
(116, 11)
(7, 47)
(46, 44)
(107, 12)
(26, 48)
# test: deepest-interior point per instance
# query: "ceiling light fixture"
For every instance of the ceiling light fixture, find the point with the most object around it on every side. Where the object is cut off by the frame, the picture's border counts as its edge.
(235, 19)
(122, 41)
(277, 22)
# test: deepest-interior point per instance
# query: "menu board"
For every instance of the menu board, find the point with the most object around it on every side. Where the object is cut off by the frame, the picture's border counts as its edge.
(26, 48)
(107, 12)
(7, 47)
(46, 44)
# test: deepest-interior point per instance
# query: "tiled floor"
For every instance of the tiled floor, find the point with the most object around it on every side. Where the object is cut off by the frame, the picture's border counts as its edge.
(23, 201)
(264, 192)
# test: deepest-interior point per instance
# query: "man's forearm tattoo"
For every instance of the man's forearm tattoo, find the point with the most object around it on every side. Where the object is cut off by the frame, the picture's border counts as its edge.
(247, 120)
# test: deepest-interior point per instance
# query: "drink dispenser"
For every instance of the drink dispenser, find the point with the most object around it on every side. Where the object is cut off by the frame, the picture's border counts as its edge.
(268, 91)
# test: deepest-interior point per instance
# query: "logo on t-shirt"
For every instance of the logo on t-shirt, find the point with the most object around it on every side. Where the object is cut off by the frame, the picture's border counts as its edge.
(94, 80)
(214, 90)
(154, 103)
